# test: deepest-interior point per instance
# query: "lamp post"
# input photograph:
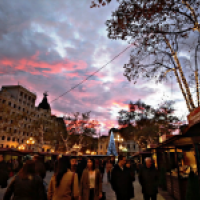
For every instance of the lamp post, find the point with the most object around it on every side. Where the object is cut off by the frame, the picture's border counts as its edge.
(30, 142)
(119, 139)
(21, 147)
(88, 152)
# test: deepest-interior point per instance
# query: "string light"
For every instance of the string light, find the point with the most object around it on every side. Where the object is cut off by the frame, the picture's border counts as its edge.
(92, 74)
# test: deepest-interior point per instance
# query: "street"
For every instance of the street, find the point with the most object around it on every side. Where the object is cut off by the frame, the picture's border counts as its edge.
(110, 195)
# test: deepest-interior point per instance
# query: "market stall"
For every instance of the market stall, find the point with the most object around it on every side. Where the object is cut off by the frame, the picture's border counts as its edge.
(179, 155)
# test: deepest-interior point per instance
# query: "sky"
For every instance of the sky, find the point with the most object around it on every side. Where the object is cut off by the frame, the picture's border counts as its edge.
(53, 45)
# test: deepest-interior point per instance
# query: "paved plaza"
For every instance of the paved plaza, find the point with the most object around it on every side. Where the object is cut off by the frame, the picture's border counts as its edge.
(110, 195)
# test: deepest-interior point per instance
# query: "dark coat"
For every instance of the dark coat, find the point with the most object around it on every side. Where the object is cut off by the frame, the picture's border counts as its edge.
(131, 172)
(148, 178)
(4, 174)
(40, 169)
(121, 183)
(85, 185)
(25, 189)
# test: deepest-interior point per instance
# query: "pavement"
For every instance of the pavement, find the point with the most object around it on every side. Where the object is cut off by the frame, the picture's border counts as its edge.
(110, 195)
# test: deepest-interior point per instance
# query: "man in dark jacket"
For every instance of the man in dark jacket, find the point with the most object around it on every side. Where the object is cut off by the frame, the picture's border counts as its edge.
(121, 181)
(4, 174)
(148, 178)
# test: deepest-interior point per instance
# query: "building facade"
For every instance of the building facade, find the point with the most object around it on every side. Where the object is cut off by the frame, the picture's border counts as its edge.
(19, 119)
(103, 143)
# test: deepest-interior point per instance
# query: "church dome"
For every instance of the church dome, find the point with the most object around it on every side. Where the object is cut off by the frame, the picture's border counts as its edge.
(44, 104)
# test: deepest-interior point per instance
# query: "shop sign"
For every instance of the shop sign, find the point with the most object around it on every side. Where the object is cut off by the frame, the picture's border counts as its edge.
(194, 117)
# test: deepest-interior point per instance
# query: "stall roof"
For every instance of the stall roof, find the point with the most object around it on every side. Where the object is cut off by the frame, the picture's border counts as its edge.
(10, 151)
(193, 131)
(180, 141)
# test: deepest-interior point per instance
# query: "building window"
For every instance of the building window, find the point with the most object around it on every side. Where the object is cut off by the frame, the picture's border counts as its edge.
(128, 146)
(25, 96)
(134, 146)
(3, 138)
(19, 108)
(23, 109)
(4, 101)
(15, 131)
(1, 145)
(11, 121)
(101, 146)
(1, 118)
(13, 139)
(8, 138)
(10, 130)
(23, 133)
(7, 146)
(24, 102)
(14, 106)
(29, 98)
(9, 103)
(21, 94)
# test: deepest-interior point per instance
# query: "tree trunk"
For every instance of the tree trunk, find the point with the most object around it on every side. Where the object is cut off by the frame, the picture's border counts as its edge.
(174, 54)
(197, 73)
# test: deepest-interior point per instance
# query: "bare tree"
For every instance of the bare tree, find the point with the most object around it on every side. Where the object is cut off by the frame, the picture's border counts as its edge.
(80, 125)
(157, 27)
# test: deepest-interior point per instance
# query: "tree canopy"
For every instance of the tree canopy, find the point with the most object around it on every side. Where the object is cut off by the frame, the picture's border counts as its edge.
(157, 29)
(144, 124)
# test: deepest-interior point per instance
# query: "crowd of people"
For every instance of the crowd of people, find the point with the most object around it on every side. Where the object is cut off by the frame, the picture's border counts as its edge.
(78, 179)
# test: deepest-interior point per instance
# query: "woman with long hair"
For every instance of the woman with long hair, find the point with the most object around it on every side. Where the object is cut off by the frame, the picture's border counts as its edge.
(64, 183)
(26, 185)
(91, 182)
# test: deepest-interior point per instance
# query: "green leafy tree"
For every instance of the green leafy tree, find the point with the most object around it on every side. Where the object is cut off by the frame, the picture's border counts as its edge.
(144, 124)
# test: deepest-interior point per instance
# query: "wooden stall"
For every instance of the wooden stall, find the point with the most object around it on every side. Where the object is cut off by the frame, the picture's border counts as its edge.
(179, 155)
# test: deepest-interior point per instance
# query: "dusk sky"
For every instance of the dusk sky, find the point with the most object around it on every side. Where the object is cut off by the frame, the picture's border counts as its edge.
(52, 45)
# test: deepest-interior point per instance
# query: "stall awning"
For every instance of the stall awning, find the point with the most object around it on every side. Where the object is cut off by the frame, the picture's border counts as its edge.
(10, 151)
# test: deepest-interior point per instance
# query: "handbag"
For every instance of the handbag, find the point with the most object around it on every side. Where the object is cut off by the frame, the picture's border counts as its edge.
(72, 187)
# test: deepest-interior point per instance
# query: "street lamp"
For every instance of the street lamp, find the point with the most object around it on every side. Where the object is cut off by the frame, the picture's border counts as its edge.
(88, 152)
(30, 142)
(76, 146)
(21, 147)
